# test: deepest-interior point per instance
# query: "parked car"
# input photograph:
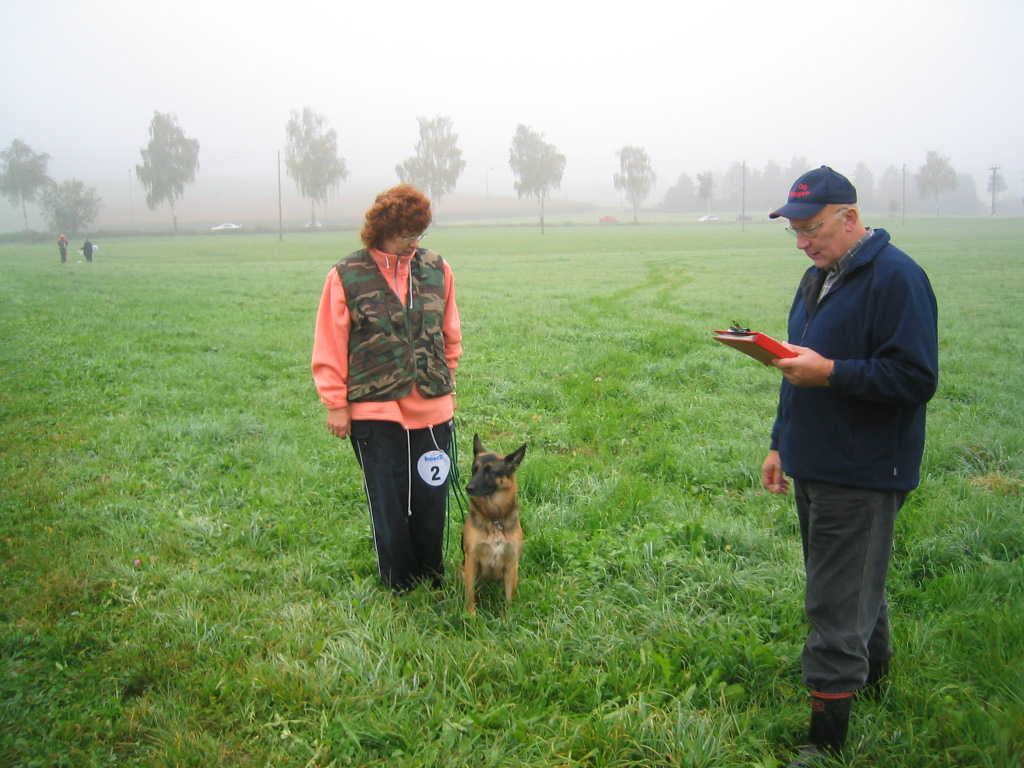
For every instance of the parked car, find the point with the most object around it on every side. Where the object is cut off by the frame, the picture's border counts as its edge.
(708, 217)
(225, 227)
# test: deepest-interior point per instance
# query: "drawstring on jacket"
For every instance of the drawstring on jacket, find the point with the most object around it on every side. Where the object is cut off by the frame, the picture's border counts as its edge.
(434, 440)
(408, 466)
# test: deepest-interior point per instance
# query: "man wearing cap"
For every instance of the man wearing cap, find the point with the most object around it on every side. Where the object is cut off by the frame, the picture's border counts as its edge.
(850, 432)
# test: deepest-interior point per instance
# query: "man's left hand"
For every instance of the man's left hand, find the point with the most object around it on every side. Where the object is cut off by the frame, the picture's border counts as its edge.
(807, 369)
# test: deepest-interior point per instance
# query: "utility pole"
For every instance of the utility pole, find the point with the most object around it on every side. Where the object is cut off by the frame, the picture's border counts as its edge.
(743, 198)
(280, 230)
(131, 205)
(992, 184)
(903, 196)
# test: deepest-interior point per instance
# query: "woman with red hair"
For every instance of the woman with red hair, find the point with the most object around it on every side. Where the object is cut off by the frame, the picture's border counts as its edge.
(387, 343)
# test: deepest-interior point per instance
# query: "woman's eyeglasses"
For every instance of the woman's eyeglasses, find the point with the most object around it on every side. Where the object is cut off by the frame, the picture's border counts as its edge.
(410, 239)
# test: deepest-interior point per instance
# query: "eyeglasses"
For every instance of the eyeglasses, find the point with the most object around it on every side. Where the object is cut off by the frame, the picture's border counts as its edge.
(811, 231)
(410, 239)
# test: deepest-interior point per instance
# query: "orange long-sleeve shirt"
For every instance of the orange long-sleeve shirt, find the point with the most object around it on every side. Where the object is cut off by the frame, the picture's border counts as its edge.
(330, 349)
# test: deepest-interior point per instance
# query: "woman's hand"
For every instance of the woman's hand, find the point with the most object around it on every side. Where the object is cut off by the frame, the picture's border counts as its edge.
(339, 423)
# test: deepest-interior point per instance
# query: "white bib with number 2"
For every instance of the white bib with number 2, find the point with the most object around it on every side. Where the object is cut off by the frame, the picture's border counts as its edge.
(433, 467)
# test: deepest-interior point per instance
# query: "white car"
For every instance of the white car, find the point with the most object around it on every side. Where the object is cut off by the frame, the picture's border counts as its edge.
(708, 217)
(226, 227)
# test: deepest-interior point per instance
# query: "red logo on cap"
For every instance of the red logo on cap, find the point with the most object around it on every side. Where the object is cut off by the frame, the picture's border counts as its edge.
(802, 190)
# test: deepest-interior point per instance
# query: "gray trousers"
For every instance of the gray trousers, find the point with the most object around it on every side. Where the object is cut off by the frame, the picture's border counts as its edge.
(847, 542)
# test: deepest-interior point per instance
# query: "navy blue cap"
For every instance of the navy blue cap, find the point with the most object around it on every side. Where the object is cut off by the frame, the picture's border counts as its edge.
(813, 191)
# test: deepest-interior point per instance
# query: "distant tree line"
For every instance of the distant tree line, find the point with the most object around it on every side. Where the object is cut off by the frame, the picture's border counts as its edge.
(933, 187)
(170, 161)
(67, 206)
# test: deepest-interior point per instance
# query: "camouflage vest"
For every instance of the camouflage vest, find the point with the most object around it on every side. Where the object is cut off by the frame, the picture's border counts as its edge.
(390, 346)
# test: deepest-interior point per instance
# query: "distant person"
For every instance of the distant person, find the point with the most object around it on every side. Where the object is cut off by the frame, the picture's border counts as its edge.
(87, 249)
(62, 247)
(387, 343)
(850, 432)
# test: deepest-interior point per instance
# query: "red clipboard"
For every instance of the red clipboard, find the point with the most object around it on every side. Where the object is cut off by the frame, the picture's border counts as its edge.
(759, 346)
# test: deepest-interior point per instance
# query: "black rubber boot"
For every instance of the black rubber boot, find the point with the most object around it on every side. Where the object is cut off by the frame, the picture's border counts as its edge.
(830, 719)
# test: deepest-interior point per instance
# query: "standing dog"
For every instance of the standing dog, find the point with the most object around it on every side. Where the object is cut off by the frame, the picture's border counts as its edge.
(492, 539)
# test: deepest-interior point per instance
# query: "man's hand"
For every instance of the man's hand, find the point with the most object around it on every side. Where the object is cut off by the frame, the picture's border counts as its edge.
(772, 477)
(807, 369)
(338, 422)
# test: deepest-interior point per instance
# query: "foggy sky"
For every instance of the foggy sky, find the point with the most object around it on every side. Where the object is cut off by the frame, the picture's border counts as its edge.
(699, 86)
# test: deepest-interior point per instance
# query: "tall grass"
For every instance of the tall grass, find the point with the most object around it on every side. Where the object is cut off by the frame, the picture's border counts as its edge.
(188, 577)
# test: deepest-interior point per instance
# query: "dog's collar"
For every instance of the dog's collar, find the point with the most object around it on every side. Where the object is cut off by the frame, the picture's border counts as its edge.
(498, 525)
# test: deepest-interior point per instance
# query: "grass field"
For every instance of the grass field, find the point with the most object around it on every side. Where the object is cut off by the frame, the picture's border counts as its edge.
(188, 577)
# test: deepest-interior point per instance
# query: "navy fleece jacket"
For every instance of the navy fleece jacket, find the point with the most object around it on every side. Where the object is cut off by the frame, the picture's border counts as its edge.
(879, 324)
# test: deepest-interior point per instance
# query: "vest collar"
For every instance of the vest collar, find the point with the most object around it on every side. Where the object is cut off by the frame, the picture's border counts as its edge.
(385, 260)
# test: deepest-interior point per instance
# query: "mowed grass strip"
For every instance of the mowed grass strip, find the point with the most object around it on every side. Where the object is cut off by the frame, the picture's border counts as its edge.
(188, 575)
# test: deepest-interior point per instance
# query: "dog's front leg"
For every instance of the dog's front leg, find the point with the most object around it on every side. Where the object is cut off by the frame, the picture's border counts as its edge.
(469, 567)
(511, 579)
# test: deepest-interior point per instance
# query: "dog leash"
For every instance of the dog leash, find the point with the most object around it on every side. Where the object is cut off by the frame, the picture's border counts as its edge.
(455, 487)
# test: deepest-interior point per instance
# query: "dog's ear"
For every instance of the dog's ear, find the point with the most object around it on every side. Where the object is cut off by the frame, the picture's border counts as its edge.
(513, 459)
(478, 447)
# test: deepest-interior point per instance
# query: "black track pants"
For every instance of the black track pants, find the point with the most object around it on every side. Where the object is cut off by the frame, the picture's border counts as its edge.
(408, 523)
